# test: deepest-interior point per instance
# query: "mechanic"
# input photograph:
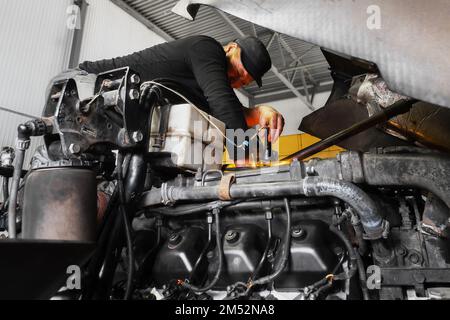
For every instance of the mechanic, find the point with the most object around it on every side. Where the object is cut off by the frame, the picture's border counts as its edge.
(209, 72)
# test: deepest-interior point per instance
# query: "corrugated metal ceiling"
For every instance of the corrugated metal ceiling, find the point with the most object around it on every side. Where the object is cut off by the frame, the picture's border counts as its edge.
(209, 22)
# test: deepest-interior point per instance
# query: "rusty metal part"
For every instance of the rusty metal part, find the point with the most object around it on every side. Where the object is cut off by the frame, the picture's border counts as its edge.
(60, 204)
(397, 108)
(225, 186)
(425, 123)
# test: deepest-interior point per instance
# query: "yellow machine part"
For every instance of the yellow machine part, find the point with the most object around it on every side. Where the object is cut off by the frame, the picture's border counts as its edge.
(287, 145)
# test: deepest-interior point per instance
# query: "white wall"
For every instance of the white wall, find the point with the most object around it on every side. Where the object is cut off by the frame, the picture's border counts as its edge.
(111, 32)
(34, 46)
(293, 111)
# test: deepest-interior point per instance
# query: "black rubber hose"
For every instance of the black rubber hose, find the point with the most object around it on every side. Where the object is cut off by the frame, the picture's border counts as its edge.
(219, 269)
(127, 226)
(355, 261)
(5, 189)
(266, 251)
(351, 253)
(285, 253)
(367, 209)
(20, 156)
(202, 254)
(135, 177)
(362, 276)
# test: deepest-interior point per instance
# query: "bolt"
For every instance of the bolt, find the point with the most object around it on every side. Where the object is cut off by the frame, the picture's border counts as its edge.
(231, 236)
(414, 258)
(134, 94)
(298, 233)
(74, 148)
(137, 136)
(310, 170)
(402, 251)
(174, 240)
(135, 79)
(270, 256)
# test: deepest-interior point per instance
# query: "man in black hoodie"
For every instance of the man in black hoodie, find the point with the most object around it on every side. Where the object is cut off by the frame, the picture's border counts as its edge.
(208, 72)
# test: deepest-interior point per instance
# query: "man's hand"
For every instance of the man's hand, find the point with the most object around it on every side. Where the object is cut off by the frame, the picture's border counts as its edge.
(267, 117)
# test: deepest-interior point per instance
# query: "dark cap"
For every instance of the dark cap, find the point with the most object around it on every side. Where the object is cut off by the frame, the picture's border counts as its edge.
(254, 57)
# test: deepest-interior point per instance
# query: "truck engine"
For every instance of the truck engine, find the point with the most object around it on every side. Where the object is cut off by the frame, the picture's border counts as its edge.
(115, 190)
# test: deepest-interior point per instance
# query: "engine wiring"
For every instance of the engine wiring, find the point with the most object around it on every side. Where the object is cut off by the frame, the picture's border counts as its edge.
(127, 226)
(241, 289)
(186, 284)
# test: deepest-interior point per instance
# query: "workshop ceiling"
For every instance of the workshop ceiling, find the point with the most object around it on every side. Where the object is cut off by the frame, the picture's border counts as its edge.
(299, 62)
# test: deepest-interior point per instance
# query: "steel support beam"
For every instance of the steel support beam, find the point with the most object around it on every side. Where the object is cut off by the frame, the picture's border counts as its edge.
(255, 33)
(292, 88)
(269, 44)
(306, 66)
(295, 57)
(77, 39)
(287, 94)
(274, 69)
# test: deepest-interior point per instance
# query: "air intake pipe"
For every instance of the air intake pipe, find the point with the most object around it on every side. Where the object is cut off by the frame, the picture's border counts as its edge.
(374, 226)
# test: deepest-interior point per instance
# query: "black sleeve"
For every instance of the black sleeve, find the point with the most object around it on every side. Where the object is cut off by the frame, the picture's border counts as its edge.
(209, 65)
(110, 64)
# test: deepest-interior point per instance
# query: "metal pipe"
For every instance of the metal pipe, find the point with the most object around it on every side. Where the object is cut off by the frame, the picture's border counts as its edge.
(5, 190)
(371, 220)
(396, 109)
(374, 226)
(20, 156)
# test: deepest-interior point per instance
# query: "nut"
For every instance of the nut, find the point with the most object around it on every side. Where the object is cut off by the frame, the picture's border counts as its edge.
(135, 79)
(231, 236)
(74, 148)
(134, 94)
(298, 233)
(137, 136)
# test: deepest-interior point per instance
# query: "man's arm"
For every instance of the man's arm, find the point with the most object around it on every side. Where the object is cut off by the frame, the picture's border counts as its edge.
(209, 65)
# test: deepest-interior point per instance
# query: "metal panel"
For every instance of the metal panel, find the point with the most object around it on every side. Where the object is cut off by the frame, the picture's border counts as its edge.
(111, 32)
(35, 46)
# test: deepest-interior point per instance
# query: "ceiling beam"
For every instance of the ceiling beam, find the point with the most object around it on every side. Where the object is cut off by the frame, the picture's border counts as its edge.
(287, 94)
(274, 69)
(305, 66)
(295, 57)
(145, 21)
(269, 43)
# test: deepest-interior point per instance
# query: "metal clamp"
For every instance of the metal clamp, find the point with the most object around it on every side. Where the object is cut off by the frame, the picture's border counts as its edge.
(382, 233)
(225, 186)
(166, 192)
(22, 144)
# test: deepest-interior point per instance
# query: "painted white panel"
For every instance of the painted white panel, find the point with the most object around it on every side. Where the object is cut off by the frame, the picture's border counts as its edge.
(111, 32)
(34, 46)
